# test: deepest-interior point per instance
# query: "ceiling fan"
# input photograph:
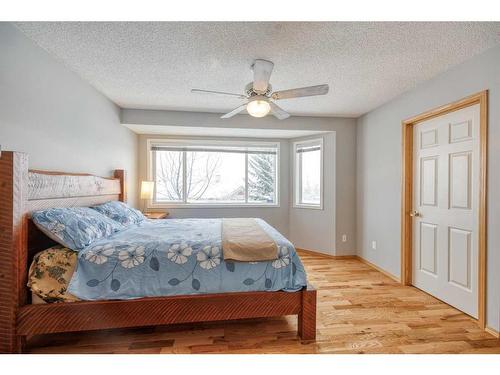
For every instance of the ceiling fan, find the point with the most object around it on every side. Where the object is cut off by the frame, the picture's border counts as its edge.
(260, 97)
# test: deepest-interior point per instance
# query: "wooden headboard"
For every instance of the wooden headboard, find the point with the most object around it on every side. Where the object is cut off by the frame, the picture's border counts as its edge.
(59, 189)
(21, 192)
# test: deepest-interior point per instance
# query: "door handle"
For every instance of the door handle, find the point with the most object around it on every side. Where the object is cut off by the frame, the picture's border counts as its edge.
(415, 214)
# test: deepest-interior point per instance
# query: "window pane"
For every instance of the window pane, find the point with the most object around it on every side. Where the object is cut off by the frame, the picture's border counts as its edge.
(311, 177)
(261, 178)
(168, 175)
(215, 177)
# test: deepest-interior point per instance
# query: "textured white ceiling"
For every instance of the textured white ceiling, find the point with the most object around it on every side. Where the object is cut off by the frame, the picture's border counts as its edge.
(154, 65)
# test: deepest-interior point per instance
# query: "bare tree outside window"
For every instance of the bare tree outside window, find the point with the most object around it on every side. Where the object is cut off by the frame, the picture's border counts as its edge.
(169, 179)
(169, 175)
(201, 169)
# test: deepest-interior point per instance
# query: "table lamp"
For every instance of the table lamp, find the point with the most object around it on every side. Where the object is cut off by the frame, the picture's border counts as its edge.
(147, 189)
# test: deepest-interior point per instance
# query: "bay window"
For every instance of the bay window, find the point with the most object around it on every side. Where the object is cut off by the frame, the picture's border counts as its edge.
(308, 174)
(197, 173)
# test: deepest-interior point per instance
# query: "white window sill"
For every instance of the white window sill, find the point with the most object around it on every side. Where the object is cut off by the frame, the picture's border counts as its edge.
(308, 206)
(215, 205)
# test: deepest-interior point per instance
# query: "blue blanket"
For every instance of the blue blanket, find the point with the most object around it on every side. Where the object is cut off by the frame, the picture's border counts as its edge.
(177, 257)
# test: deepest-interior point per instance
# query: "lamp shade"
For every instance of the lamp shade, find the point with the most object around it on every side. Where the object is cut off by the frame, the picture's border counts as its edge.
(147, 188)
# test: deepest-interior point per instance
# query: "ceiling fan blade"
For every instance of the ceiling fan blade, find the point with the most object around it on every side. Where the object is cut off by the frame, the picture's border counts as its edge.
(301, 92)
(235, 111)
(262, 70)
(199, 91)
(278, 112)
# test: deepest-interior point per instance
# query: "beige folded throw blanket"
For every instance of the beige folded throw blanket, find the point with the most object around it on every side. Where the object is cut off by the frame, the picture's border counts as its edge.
(245, 240)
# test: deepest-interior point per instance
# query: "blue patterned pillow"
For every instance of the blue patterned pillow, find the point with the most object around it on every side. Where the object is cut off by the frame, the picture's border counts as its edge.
(120, 212)
(75, 227)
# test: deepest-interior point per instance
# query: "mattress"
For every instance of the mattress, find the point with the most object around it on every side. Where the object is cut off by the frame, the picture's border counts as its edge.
(165, 258)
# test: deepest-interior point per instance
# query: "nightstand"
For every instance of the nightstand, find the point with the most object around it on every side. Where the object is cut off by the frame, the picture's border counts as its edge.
(155, 215)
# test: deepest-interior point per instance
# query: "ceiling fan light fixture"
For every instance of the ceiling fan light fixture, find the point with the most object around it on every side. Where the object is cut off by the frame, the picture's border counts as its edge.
(260, 95)
(258, 108)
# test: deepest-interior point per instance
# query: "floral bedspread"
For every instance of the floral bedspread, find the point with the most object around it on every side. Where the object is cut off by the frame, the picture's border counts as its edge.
(176, 257)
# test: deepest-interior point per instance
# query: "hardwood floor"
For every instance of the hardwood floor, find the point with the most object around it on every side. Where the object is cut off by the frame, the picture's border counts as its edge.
(360, 310)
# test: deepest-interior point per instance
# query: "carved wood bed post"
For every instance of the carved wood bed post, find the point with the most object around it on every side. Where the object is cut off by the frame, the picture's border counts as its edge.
(13, 246)
(120, 174)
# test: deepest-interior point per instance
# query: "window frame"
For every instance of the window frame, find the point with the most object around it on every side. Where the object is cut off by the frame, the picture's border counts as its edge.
(297, 181)
(210, 142)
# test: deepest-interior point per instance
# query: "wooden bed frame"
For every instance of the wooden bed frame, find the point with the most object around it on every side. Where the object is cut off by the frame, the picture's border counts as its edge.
(22, 191)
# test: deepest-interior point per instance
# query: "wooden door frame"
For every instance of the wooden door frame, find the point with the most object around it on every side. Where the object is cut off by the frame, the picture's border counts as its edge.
(480, 98)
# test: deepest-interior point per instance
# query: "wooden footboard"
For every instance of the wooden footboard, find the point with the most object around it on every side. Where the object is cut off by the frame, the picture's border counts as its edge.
(94, 315)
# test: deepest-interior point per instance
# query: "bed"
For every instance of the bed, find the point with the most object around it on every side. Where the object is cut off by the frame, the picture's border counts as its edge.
(262, 291)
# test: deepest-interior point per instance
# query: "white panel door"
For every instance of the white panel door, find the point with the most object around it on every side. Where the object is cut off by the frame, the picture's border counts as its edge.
(445, 203)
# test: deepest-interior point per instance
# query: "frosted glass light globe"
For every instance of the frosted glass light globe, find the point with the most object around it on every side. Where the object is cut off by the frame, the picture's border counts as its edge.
(258, 108)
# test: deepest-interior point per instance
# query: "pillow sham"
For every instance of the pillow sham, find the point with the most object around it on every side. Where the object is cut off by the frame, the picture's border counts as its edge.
(50, 274)
(75, 227)
(120, 212)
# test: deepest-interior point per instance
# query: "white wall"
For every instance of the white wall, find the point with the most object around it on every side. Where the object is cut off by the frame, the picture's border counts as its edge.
(325, 236)
(62, 122)
(379, 166)
(310, 228)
